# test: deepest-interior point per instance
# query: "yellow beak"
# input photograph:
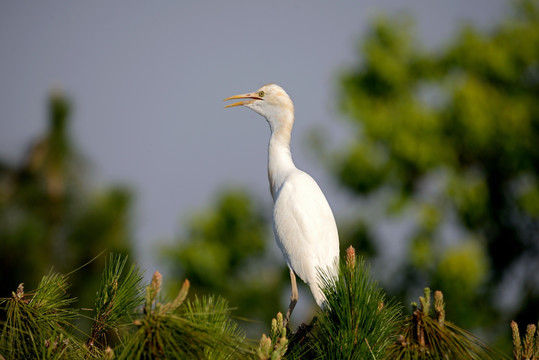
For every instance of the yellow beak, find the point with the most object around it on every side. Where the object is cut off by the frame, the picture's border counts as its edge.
(253, 96)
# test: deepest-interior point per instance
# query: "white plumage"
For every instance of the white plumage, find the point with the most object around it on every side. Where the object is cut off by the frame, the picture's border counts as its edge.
(303, 223)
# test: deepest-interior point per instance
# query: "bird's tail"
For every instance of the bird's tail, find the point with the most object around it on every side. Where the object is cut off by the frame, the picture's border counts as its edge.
(319, 296)
(326, 279)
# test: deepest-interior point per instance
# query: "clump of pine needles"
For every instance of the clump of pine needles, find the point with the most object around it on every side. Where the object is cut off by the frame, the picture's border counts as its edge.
(427, 335)
(197, 329)
(358, 321)
(119, 295)
(131, 321)
(38, 324)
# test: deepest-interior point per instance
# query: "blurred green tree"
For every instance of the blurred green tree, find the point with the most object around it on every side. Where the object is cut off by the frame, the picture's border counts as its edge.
(50, 219)
(450, 140)
(224, 250)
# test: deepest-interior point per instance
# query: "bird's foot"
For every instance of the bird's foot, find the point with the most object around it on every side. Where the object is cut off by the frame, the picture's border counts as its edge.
(291, 307)
(286, 319)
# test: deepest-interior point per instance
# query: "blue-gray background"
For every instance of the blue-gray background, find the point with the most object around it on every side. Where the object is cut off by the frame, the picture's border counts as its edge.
(148, 78)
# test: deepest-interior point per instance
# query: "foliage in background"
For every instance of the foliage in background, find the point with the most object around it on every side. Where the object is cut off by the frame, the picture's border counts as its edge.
(49, 218)
(449, 141)
(225, 250)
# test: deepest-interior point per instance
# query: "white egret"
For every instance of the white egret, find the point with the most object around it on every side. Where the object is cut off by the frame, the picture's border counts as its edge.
(303, 223)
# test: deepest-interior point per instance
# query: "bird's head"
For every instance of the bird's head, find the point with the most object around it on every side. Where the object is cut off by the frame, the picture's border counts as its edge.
(270, 101)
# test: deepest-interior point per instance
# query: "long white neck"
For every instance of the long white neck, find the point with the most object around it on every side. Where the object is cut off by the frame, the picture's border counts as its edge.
(280, 163)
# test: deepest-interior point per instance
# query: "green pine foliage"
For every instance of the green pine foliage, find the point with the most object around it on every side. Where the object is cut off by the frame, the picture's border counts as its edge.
(213, 315)
(39, 324)
(43, 324)
(127, 324)
(118, 297)
(358, 320)
(427, 335)
(197, 329)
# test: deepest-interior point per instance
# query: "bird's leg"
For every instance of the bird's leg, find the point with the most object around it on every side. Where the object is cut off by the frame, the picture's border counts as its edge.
(293, 298)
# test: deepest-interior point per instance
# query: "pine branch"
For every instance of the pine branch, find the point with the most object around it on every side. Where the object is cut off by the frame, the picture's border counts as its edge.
(120, 293)
(39, 324)
(181, 329)
(424, 335)
(358, 321)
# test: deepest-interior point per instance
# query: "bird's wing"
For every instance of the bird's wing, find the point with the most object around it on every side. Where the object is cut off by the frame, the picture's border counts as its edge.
(304, 227)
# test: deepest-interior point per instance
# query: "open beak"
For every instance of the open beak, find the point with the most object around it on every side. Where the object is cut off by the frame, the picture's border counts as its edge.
(252, 96)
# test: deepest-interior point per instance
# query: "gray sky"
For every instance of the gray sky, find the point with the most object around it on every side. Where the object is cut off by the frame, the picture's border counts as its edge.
(148, 78)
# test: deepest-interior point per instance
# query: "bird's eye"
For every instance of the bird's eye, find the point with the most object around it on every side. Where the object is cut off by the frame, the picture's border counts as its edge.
(261, 94)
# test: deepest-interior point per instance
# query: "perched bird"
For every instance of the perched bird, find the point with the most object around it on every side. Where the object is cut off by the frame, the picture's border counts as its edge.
(303, 223)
